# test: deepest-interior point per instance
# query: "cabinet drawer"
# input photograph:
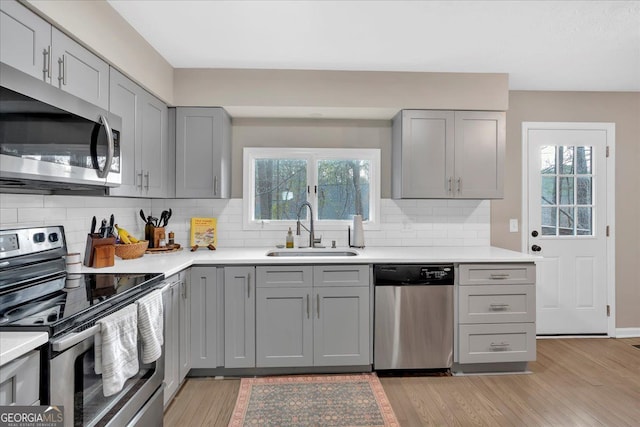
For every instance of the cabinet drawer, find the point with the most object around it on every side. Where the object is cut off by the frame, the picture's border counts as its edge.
(284, 276)
(496, 304)
(20, 380)
(491, 343)
(341, 275)
(490, 274)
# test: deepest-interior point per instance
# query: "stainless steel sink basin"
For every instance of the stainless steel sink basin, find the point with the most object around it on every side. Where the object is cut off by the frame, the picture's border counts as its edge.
(311, 252)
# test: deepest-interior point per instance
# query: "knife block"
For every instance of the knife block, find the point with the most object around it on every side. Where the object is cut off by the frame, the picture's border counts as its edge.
(97, 256)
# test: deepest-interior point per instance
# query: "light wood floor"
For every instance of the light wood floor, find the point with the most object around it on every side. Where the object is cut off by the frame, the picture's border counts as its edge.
(575, 382)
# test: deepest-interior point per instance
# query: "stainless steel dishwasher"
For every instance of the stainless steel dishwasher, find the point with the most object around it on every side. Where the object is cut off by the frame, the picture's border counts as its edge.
(413, 326)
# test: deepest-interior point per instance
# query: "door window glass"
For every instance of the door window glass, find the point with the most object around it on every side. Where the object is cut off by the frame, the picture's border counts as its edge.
(567, 190)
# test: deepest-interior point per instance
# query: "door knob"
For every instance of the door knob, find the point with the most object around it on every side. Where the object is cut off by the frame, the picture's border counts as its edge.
(534, 233)
(536, 248)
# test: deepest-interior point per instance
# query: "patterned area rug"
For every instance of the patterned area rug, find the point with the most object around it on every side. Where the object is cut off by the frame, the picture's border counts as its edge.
(319, 400)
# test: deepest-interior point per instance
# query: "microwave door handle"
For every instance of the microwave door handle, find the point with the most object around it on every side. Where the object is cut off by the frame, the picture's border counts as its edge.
(110, 148)
(67, 341)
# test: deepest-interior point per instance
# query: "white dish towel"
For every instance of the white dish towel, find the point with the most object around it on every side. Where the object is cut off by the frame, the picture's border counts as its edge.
(116, 349)
(150, 325)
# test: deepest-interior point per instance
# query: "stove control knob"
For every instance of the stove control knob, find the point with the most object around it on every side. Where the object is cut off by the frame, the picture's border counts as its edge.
(53, 237)
(38, 237)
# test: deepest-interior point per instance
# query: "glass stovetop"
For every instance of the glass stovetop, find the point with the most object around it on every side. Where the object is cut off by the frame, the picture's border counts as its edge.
(74, 300)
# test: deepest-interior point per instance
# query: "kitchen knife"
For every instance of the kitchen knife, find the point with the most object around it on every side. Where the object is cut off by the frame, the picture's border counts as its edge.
(103, 228)
(93, 225)
(112, 220)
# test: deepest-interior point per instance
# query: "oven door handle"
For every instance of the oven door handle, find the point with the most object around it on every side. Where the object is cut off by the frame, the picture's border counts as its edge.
(67, 341)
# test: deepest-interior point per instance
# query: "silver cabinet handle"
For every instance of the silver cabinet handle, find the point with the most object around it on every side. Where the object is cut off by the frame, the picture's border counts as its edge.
(248, 284)
(110, 148)
(46, 67)
(146, 175)
(459, 185)
(318, 304)
(498, 306)
(140, 175)
(499, 346)
(62, 70)
(499, 276)
(450, 178)
(69, 340)
(308, 311)
(215, 185)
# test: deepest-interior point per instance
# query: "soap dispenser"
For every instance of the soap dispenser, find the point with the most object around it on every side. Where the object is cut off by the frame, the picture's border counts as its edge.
(290, 239)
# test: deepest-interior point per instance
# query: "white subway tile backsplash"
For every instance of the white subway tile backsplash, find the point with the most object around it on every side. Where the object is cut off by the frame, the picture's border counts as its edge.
(404, 222)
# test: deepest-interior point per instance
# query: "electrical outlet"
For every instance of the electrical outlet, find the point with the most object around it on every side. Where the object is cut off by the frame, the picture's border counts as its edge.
(513, 225)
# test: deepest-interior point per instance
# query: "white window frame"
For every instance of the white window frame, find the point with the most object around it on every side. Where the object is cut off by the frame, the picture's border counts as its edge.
(312, 155)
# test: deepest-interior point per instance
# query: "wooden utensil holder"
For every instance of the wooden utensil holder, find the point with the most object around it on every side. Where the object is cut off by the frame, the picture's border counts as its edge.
(99, 251)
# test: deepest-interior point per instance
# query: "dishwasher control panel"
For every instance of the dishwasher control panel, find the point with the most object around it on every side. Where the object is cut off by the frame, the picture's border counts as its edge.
(413, 274)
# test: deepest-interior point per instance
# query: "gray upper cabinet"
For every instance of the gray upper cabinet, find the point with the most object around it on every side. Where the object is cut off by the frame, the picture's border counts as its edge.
(78, 71)
(203, 153)
(239, 317)
(144, 141)
(32, 45)
(448, 154)
(25, 40)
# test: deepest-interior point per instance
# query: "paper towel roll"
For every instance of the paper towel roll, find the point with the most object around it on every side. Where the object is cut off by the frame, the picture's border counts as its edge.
(358, 232)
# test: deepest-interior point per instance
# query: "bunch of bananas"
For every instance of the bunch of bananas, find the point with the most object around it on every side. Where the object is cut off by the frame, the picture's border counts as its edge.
(125, 237)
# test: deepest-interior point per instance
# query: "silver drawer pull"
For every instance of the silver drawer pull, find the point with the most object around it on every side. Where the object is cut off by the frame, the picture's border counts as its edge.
(503, 346)
(499, 276)
(498, 307)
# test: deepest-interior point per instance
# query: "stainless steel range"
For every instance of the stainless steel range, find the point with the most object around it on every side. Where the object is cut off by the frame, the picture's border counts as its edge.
(36, 294)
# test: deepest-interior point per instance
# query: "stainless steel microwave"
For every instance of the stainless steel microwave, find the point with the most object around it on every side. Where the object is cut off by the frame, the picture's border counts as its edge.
(52, 140)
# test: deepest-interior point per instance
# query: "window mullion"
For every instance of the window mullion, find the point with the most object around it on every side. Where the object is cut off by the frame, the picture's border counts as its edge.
(313, 184)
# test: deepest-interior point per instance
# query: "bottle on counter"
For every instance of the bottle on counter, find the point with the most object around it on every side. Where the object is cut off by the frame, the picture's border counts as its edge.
(290, 239)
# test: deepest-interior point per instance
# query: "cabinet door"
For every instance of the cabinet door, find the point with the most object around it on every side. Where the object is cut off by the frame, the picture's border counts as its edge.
(203, 153)
(479, 154)
(25, 40)
(239, 317)
(341, 326)
(171, 341)
(20, 381)
(422, 154)
(204, 320)
(78, 71)
(155, 146)
(284, 327)
(184, 352)
(125, 101)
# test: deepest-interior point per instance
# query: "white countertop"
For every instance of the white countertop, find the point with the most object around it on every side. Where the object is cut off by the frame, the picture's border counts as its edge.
(16, 344)
(171, 263)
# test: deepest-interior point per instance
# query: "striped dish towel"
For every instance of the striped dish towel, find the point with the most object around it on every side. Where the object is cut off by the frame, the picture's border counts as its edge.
(150, 325)
(116, 349)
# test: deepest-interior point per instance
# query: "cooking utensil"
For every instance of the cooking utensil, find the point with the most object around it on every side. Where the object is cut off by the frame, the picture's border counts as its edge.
(93, 225)
(110, 232)
(144, 218)
(103, 228)
(166, 218)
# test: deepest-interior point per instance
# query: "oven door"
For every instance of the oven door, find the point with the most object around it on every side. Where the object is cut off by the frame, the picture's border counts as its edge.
(74, 384)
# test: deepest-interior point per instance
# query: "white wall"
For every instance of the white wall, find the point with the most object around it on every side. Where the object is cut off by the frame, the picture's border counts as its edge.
(404, 222)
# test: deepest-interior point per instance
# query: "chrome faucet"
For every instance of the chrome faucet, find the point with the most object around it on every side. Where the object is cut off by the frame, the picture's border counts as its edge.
(312, 237)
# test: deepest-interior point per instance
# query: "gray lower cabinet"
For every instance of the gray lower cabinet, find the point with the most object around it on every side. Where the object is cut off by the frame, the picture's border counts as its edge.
(147, 167)
(176, 334)
(496, 314)
(312, 316)
(239, 317)
(31, 45)
(204, 293)
(203, 152)
(20, 381)
(448, 154)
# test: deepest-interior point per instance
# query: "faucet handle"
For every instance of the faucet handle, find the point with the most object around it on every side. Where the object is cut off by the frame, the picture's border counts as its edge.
(317, 239)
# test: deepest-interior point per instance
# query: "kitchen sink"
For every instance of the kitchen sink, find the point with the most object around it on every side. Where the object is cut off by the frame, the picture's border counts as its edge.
(311, 252)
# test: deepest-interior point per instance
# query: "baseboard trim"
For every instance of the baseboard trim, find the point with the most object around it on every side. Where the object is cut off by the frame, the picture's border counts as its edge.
(627, 332)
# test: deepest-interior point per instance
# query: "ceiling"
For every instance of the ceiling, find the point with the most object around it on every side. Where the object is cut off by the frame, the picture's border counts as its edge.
(542, 45)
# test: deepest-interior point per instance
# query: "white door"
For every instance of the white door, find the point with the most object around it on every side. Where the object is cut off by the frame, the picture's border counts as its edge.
(567, 224)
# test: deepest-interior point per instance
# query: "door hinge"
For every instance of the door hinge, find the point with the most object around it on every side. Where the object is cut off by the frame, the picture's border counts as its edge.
(608, 310)
(607, 231)
(607, 151)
